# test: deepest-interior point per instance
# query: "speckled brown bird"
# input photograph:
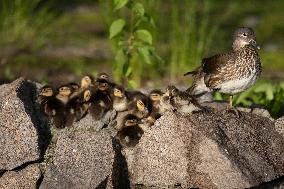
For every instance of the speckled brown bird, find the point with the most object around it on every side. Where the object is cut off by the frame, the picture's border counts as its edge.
(233, 72)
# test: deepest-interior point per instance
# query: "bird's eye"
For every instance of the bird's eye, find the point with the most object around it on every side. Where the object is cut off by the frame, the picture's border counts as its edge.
(244, 34)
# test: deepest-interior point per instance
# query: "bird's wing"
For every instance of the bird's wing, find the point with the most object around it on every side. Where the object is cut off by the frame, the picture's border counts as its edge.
(216, 69)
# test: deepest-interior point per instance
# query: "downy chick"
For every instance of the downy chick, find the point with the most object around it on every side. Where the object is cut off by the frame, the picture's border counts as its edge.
(131, 132)
(106, 77)
(155, 97)
(120, 99)
(62, 99)
(140, 106)
(146, 123)
(180, 101)
(86, 82)
(101, 101)
(46, 100)
(77, 107)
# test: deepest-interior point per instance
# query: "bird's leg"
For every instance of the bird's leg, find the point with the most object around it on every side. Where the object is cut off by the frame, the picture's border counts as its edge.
(232, 109)
(231, 102)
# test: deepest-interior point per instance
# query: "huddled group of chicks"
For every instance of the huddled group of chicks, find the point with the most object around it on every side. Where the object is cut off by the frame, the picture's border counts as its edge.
(71, 102)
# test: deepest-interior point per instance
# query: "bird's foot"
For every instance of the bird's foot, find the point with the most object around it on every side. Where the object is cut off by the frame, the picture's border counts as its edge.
(234, 111)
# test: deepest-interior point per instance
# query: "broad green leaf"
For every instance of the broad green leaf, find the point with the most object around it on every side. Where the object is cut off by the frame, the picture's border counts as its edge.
(119, 4)
(143, 35)
(116, 27)
(132, 84)
(144, 53)
(138, 9)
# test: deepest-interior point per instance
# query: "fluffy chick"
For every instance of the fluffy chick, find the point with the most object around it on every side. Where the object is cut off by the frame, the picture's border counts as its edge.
(76, 108)
(131, 132)
(180, 101)
(140, 106)
(101, 100)
(155, 97)
(120, 99)
(46, 100)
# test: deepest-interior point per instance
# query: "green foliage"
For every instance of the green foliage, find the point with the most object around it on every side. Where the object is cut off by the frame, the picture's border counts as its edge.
(265, 94)
(23, 21)
(133, 42)
(116, 27)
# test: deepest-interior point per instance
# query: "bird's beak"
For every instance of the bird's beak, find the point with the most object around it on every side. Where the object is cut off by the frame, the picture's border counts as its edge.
(253, 42)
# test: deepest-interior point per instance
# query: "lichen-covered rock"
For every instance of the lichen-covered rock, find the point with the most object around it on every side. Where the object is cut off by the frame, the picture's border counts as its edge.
(83, 159)
(20, 125)
(207, 150)
(25, 178)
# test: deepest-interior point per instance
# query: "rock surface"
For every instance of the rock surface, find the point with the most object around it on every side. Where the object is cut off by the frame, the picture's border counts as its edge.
(20, 141)
(279, 125)
(24, 178)
(212, 150)
(82, 159)
(204, 150)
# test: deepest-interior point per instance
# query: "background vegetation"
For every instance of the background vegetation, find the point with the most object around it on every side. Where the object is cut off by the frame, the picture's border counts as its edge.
(58, 41)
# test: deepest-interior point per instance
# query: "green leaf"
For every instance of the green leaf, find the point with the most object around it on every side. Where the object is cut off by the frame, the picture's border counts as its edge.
(132, 84)
(116, 27)
(144, 53)
(144, 35)
(119, 4)
(138, 9)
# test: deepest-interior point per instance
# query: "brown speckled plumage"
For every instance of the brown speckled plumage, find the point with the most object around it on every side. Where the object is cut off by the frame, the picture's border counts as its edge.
(232, 72)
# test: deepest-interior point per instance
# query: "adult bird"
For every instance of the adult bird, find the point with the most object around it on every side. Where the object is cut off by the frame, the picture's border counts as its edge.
(229, 73)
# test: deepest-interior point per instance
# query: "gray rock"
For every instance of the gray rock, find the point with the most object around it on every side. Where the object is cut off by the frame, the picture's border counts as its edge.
(84, 159)
(223, 105)
(279, 125)
(24, 178)
(21, 126)
(212, 150)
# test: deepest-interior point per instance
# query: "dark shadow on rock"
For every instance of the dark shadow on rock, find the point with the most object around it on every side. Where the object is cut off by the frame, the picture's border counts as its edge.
(103, 184)
(120, 176)
(27, 92)
(274, 184)
(39, 181)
